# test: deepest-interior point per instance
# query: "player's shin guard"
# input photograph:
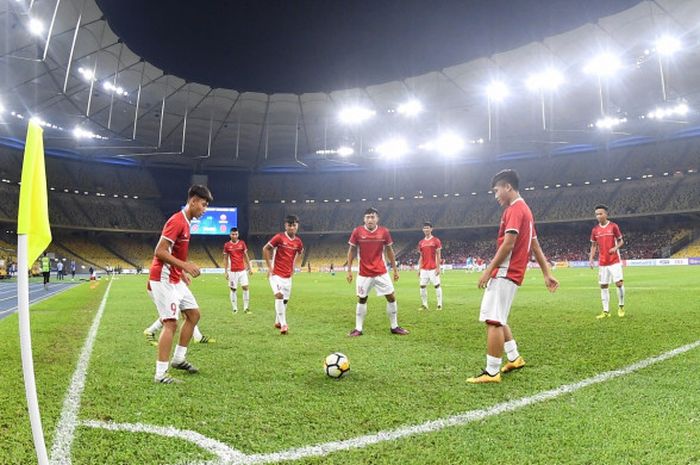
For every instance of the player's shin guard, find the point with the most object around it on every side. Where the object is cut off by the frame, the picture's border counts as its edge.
(392, 312)
(605, 298)
(360, 313)
(621, 296)
(424, 296)
(438, 294)
(281, 311)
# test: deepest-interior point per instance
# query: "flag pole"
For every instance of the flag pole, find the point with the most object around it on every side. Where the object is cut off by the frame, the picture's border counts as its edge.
(25, 338)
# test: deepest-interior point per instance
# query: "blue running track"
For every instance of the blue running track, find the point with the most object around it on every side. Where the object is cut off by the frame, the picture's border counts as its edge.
(8, 294)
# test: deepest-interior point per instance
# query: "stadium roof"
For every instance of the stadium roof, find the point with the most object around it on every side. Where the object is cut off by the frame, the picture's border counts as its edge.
(142, 113)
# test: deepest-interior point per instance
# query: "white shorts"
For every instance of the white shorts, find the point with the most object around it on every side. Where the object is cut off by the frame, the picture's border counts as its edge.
(497, 299)
(429, 276)
(237, 278)
(382, 285)
(609, 273)
(280, 284)
(171, 299)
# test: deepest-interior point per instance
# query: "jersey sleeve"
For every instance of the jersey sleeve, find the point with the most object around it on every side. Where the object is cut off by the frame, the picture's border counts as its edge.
(353, 237)
(439, 244)
(172, 229)
(616, 232)
(387, 237)
(593, 239)
(513, 220)
(301, 247)
(275, 241)
(245, 246)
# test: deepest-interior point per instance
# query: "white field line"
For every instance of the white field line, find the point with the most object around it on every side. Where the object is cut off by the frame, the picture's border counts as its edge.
(225, 453)
(318, 450)
(65, 430)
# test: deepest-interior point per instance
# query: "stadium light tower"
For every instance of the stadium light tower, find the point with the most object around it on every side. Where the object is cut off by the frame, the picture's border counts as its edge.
(36, 27)
(666, 46)
(603, 66)
(549, 81)
(496, 92)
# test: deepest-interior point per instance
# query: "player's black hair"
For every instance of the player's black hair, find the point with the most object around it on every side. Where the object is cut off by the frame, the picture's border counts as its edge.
(234, 229)
(371, 210)
(428, 223)
(507, 176)
(291, 219)
(200, 191)
(604, 207)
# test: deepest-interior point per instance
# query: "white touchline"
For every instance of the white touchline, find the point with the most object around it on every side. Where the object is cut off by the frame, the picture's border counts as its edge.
(65, 430)
(318, 450)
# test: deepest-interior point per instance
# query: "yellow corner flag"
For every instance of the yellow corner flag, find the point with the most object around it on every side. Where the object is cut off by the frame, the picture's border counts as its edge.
(33, 218)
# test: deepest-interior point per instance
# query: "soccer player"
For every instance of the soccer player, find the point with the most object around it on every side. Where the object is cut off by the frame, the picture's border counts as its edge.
(237, 269)
(369, 242)
(606, 237)
(517, 240)
(280, 253)
(429, 266)
(168, 283)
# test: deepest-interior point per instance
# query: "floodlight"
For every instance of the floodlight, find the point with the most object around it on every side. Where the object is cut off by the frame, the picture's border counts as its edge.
(497, 91)
(681, 109)
(355, 115)
(36, 27)
(609, 122)
(393, 148)
(668, 45)
(87, 74)
(448, 144)
(547, 80)
(344, 151)
(410, 108)
(604, 65)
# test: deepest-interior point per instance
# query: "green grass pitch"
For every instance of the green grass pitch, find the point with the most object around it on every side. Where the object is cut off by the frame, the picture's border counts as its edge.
(260, 392)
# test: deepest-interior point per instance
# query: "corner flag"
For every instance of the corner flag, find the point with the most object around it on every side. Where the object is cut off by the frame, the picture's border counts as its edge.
(33, 236)
(33, 218)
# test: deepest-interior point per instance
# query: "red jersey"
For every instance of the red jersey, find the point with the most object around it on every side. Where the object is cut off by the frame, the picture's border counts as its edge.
(235, 252)
(427, 249)
(518, 218)
(286, 250)
(606, 238)
(370, 248)
(177, 232)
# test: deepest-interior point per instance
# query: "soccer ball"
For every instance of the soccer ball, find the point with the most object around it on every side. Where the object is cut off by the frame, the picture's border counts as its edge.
(336, 365)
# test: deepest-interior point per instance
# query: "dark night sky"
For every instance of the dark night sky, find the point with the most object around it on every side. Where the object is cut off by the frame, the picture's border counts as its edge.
(316, 45)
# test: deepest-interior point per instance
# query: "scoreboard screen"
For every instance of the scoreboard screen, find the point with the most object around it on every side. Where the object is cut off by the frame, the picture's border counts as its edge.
(216, 221)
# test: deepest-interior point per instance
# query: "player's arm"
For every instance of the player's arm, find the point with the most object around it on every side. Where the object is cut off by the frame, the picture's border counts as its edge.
(618, 245)
(246, 259)
(163, 254)
(438, 261)
(503, 251)
(392, 259)
(591, 255)
(267, 255)
(549, 280)
(298, 257)
(351, 257)
(420, 261)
